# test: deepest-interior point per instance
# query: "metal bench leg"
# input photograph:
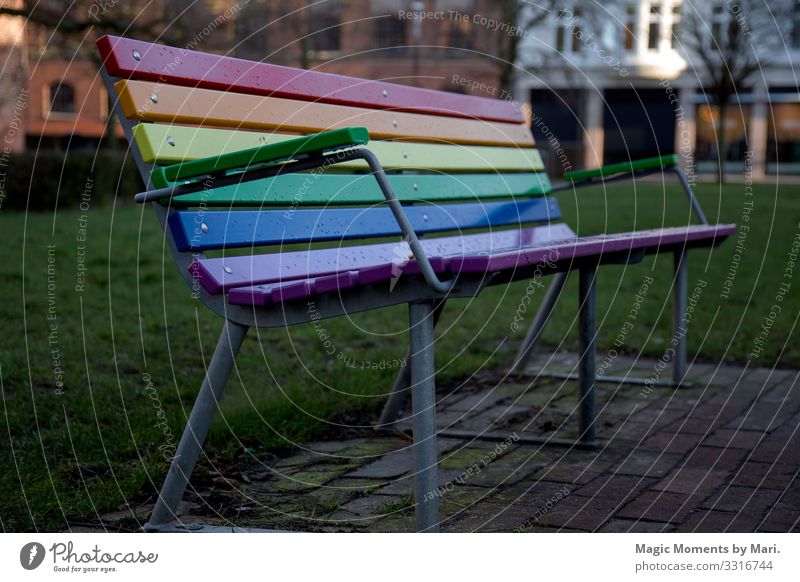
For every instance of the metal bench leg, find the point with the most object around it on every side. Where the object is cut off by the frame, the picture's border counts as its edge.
(399, 393)
(587, 352)
(679, 303)
(194, 434)
(423, 404)
(539, 321)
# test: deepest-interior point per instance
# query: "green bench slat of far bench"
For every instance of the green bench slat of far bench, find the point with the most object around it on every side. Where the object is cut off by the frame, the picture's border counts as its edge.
(623, 167)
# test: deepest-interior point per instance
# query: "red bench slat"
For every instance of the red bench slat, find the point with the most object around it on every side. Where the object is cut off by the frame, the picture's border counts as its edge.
(177, 66)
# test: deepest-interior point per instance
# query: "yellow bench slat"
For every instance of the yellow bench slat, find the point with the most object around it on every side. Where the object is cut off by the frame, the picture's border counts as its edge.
(167, 144)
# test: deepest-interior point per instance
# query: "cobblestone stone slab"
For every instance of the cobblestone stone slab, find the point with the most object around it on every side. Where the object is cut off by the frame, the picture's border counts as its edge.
(660, 506)
(691, 481)
(646, 464)
(737, 498)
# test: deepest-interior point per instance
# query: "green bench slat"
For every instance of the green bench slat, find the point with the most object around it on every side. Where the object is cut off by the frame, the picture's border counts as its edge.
(623, 167)
(316, 189)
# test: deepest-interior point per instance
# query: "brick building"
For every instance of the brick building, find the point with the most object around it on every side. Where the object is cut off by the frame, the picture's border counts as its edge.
(67, 107)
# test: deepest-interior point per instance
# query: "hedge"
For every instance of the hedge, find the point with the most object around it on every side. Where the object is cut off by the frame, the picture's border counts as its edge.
(66, 178)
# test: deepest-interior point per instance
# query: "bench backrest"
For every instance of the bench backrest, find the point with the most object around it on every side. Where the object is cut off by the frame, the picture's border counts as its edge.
(458, 161)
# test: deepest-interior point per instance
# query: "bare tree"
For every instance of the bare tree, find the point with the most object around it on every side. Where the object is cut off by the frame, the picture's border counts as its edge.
(524, 16)
(731, 42)
(582, 19)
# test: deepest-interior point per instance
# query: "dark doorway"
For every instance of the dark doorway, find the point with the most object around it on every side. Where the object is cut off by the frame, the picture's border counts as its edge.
(555, 128)
(638, 123)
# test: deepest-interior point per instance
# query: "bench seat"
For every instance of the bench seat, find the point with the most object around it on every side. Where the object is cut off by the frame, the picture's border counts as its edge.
(262, 280)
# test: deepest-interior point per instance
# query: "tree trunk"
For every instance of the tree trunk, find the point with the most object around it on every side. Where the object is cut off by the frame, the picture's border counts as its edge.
(507, 47)
(722, 143)
(506, 76)
(304, 48)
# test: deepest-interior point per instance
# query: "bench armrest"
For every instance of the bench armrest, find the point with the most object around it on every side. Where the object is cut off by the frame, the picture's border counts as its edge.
(656, 163)
(304, 153)
(626, 170)
(288, 150)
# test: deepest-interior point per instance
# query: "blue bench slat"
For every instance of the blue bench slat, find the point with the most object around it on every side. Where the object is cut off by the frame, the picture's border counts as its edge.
(206, 230)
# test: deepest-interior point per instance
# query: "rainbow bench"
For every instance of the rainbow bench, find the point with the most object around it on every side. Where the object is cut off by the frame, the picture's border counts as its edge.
(245, 155)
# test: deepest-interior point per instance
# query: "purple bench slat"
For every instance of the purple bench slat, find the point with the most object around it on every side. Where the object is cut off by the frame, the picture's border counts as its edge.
(590, 246)
(537, 251)
(245, 271)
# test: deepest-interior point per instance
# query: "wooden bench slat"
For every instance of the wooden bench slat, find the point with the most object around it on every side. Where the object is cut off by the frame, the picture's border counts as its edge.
(653, 240)
(545, 249)
(174, 104)
(291, 149)
(471, 253)
(338, 189)
(196, 69)
(207, 230)
(220, 274)
(165, 144)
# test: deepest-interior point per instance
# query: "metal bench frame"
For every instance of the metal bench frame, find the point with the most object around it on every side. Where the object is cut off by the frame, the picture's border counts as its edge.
(586, 376)
(679, 295)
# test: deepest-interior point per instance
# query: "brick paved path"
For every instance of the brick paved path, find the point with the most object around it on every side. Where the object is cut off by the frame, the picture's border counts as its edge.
(720, 456)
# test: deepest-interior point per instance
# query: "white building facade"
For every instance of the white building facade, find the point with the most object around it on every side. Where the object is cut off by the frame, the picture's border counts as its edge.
(617, 81)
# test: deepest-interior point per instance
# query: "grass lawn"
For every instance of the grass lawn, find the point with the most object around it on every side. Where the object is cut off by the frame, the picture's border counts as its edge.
(132, 342)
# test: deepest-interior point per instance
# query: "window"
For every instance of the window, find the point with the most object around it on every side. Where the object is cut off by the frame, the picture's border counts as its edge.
(560, 33)
(718, 20)
(676, 20)
(62, 98)
(459, 30)
(737, 119)
(576, 33)
(654, 27)
(390, 34)
(250, 29)
(459, 35)
(324, 26)
(796, 25)
(389, 30)
(568, 24)
(783, 133)
(630, 27)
